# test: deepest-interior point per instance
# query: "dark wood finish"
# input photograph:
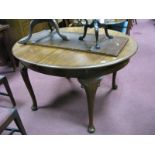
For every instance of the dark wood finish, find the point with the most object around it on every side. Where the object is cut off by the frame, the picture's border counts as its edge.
(52, 25)
(11, 114)
(19, 123)
(131, 23)
(4, 33)
(90, 86)
(88, 68)
(23, 71)
(20, 28)
(4, 81)
(114, 85)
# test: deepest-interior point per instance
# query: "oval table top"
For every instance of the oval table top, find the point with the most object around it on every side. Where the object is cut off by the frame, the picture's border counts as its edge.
(70, 59)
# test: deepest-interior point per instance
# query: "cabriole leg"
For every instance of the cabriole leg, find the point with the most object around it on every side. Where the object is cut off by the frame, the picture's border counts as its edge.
(24, 73)
(90, 86)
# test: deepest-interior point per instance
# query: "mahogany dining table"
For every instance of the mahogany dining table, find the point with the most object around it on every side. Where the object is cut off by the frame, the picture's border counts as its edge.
(89, 68)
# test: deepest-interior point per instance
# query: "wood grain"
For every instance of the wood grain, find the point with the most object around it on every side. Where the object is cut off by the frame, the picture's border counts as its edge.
(60, 58)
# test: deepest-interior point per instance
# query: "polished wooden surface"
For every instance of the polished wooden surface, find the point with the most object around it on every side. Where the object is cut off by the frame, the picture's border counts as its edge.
(68, 59)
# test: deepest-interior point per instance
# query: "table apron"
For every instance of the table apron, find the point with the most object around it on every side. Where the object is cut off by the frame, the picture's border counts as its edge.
(77, 73)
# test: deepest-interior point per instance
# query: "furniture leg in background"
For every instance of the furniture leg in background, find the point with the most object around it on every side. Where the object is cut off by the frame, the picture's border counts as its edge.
(3, 80)
(5, 39)
(7, 114)
(114, 85)
(8, 49)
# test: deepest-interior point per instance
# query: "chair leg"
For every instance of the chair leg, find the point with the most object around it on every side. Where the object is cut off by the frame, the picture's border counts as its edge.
(19, 123)
(135, 20)
(8, 48)
(114, 85)
(7, 87)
